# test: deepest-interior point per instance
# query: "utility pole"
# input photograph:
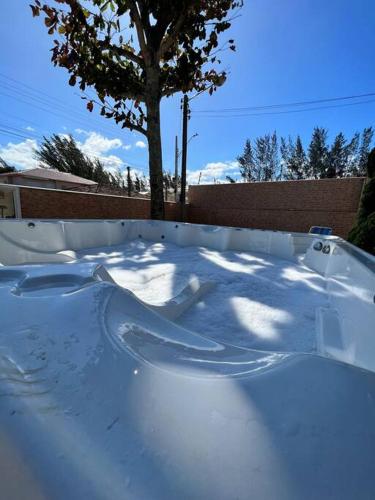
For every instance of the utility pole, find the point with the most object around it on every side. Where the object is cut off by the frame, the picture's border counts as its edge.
(185, 113)
(176, 155)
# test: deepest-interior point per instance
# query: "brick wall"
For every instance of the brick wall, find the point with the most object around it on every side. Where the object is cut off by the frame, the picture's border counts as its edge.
(54, 204)
(285, 206)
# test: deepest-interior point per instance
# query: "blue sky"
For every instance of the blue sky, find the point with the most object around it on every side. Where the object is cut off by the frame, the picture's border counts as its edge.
(287, 51)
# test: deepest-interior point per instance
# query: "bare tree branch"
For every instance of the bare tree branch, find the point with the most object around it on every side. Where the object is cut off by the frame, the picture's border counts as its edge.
(129, 55)
(171, 37)
(140, 31)
(138, 128)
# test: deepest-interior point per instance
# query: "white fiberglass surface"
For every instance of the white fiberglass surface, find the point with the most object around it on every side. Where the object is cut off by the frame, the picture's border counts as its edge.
(108, 396)
(257, 300)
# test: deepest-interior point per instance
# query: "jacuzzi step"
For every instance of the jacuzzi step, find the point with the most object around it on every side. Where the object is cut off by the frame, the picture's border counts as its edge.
(330, 341)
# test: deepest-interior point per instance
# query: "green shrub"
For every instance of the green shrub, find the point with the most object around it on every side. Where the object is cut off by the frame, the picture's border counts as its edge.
(363, 233)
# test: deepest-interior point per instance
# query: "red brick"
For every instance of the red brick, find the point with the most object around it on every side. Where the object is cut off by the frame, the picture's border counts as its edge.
(54, 204)
(285, 206)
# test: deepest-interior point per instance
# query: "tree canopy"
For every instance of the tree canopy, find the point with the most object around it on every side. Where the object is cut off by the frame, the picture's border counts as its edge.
(135, 52)
(63, 154)
(5, 167)
(363, 233)
(98, 47)
(263, 159)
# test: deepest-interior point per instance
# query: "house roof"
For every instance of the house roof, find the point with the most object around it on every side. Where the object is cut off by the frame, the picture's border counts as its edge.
(50, 174)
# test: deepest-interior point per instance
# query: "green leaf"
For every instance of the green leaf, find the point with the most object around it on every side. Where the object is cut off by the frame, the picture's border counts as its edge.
(104, 6)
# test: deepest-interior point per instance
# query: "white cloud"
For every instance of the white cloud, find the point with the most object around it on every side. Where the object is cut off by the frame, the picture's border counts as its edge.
(214, 171)
(100, 142)
(20, 155)
(64, 136)
(30, 129)
(93, 144)
(140, 144)
(80, 131)
(97, 145)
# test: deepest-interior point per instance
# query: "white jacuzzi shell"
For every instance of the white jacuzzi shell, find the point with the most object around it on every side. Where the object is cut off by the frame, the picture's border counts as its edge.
(118, 401)
(345, 330)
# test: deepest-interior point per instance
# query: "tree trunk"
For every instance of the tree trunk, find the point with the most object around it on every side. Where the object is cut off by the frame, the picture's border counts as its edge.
(155, 153)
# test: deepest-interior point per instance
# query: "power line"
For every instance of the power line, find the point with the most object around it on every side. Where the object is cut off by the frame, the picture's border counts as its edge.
(26, 121)
(36, 103)
(18, 82)
(61, 110)
(34, 96)
(37, 95)
(31, 134)
(290, 111)
(79, 122)
(41, 99)
(66, 116)
(6, 132)
(286, 105)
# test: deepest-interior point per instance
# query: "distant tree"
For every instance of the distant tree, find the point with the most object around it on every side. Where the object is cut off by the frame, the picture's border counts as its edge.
(286, 152)
(295, 159)
(137, 183)
(175, 183)
(357, 153)
(143, 183)
(263, 160)
(363, 233)
(266, 157)
(364, 151)
(352, 149)
(118, 179)
(261, 154)
(230, 179)
(338, 157)
(168, 183)
(247, 163)
(299, 161)
(167, 179)
(318, 154)
(272, 169)
(5, 168)
(63, 154)
(134, 53)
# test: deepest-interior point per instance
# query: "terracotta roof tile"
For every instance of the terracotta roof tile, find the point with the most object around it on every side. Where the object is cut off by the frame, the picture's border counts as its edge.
(50, 174)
